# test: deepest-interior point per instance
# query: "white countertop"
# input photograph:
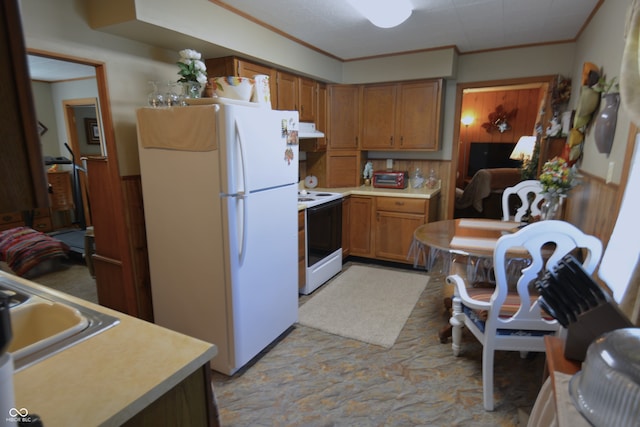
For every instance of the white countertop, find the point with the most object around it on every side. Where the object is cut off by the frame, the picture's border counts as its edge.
(368, 190)
(110, 377)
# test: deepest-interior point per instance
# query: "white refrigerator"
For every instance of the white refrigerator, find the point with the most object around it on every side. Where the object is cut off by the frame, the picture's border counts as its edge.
(219, 185)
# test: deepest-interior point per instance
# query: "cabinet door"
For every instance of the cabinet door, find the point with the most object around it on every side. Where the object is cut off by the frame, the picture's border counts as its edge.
(343, 117)
(360, 226)
(346, 226)
(249, 69)
(307, 99)
(287, 86)
(394, 234)
(378, 115)
(343, 169)
(418, 120)
(321, 116)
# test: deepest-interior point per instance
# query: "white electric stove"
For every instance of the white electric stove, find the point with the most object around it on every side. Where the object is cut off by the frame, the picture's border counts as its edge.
(323, 232)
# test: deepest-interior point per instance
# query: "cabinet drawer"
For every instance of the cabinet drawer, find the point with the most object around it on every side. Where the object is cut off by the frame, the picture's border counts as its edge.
(401, 204)
(41, 213)
(43, 224)
(10, 217)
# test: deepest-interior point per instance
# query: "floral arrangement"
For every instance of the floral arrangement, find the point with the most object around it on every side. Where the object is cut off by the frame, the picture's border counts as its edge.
(192, 69)
(557, 177)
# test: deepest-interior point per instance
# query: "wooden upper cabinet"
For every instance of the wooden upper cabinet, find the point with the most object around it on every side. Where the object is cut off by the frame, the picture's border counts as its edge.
(249, 69)
(232, 66)
(402, 116)
(343, 117)
(287, 86)
(418, 119)
(378, 114)
(307, 99)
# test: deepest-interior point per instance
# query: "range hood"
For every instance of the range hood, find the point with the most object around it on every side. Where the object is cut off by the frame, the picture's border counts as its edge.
(308, 130)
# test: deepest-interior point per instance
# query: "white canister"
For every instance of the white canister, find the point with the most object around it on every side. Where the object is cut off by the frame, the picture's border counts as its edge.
(7, 397)
(261, 90)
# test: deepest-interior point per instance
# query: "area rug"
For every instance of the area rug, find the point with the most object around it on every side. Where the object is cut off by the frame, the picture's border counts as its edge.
(368, 304)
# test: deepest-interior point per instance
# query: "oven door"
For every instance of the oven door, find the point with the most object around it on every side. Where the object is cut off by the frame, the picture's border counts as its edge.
(324, 230)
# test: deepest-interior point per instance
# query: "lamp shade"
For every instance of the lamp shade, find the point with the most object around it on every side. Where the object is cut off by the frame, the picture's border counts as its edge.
(524, 148)
(383, 13)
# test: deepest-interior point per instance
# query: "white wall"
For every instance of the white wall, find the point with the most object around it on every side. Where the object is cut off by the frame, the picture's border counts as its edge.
(602, 43)
(46, 114)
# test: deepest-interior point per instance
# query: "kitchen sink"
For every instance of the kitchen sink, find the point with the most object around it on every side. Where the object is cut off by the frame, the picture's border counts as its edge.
(41, 324)
(44, 324)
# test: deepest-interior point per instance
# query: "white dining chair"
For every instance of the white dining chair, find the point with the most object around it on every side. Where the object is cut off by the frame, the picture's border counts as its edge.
(523, 190)
(509, 317)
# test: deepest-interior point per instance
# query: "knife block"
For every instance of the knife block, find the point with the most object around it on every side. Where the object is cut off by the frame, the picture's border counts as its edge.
(590, 325)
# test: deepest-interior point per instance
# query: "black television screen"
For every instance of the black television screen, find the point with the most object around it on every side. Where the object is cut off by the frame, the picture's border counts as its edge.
(490, 155)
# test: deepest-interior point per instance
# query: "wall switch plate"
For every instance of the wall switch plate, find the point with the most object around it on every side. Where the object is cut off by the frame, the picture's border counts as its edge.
(389, 164)
(612, 165)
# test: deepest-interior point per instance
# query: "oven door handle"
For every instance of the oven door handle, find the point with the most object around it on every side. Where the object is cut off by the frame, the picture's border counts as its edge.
(324, 206)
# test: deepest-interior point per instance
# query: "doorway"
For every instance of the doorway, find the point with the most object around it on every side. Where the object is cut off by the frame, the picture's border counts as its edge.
(71, 102)
(461, 130)
(84, 136)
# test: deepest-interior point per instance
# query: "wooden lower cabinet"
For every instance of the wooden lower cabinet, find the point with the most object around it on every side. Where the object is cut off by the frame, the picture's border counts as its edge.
(395, 221)
(382, 227)
(189, 403)
(360, 226)
(346, 226)
(40, 217)
(302, 265)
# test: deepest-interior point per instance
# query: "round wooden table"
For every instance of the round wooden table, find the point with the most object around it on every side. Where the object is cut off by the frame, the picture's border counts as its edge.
(463, 240)
(475, 238)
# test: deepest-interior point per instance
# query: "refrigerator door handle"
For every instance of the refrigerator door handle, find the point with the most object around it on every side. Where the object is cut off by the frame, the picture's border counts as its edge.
(242, 195)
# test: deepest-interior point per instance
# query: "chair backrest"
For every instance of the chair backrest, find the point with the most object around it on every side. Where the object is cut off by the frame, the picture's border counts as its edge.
(523, 189)
(543, 244)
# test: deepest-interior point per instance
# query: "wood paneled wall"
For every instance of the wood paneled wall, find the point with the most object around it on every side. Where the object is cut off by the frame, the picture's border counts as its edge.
(441, 168)
(481, 104)
(592, 207)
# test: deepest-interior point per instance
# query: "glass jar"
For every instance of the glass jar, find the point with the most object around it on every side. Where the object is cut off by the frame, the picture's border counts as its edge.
(432, 180)
(417, 179)
(156, 96)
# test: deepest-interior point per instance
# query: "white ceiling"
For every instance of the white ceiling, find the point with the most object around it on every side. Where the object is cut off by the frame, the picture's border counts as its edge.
(53, 70)
(334, 27)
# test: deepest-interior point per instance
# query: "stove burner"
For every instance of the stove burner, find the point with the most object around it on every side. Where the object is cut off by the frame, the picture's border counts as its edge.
(305, 199)
(323, 194)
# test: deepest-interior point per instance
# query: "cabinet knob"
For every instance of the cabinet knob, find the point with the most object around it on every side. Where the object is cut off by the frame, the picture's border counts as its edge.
(391, 140)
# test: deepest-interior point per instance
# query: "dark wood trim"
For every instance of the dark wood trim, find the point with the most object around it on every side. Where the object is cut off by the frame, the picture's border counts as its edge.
(24, 183)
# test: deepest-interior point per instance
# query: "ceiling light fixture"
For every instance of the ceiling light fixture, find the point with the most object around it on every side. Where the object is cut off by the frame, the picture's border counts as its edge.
(384, 13)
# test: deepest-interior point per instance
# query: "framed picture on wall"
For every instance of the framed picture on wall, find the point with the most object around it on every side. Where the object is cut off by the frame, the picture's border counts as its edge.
(93, 132)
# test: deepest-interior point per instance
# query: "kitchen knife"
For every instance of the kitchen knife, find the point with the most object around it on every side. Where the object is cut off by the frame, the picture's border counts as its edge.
(548, 290)
(572, 263)
(569, 295)
(564, 296)
(560, 317)
(573, 282)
